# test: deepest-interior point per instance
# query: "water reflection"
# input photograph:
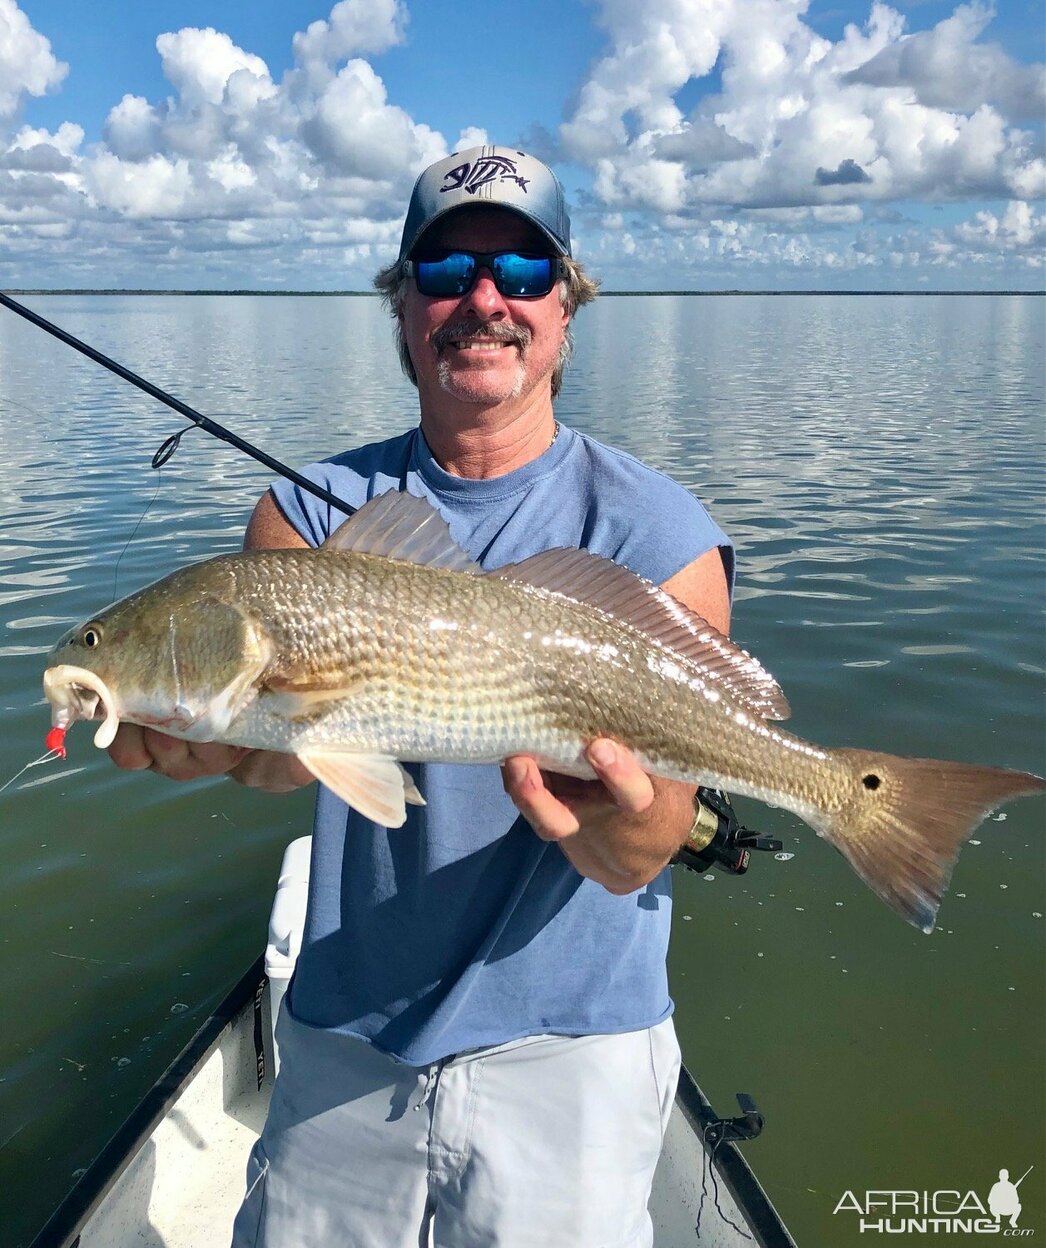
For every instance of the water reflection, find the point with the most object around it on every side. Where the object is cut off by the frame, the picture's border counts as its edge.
(879, 463)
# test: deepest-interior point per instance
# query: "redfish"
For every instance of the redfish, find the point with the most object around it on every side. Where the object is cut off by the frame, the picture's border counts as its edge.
(388, 644)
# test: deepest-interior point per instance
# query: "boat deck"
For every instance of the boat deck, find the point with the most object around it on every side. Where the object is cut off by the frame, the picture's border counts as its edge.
(174, 1178)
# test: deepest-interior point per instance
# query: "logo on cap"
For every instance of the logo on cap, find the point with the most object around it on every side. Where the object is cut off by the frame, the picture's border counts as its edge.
(472, 175)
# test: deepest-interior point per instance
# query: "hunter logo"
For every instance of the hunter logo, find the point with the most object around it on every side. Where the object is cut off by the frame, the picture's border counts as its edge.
(951, 1212)
(472, 175)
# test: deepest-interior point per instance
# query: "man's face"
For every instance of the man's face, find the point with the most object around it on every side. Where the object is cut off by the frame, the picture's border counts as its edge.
(480, 347)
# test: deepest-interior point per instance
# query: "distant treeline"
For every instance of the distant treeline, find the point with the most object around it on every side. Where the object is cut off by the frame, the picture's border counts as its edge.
(373, 294)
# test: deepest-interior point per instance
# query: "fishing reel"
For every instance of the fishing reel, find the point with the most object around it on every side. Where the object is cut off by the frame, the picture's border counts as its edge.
(718, 839)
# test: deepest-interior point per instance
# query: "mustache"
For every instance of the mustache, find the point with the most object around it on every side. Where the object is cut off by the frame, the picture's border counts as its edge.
(498, 331)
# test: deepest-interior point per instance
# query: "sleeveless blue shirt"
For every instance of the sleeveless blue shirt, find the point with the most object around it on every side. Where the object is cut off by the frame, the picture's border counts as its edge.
(463, 929)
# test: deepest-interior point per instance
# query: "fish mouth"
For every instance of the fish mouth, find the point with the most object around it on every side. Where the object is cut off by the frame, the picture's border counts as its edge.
(75, 693)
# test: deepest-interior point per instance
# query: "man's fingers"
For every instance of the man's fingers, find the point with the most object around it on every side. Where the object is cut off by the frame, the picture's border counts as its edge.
(556, 807)
(215, 758)
(192, 760)
(546, 814)
(171, 756)
(275, 773)
(128, 749)
(137, 749)
(628, 783)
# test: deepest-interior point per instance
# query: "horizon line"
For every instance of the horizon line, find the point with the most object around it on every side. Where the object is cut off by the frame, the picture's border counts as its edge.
(373, 294)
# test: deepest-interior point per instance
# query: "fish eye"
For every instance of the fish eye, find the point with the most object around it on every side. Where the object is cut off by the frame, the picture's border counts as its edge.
(91, 637)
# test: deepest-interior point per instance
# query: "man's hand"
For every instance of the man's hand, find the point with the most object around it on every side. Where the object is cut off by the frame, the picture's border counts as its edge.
(619, 830)
(145, 749)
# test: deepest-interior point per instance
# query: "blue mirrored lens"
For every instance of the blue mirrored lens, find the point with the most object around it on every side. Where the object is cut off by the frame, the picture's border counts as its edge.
(522, 275)
(450, 275)
(516, 276)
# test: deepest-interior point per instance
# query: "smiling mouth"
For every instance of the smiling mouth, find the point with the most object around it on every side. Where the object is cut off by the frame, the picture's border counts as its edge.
(479, 338)
(478, 344)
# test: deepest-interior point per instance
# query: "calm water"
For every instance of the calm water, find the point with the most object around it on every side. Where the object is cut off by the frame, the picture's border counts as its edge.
(879, 463)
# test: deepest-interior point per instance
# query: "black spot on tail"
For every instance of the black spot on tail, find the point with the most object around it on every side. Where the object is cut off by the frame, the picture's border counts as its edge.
(903, 836)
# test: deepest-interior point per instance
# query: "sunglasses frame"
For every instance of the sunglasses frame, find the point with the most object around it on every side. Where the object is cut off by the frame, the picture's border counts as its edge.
(485, 260)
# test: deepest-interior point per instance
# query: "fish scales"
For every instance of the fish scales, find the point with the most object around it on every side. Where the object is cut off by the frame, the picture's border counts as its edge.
(446, 667)
(356, 657)
(443, 665)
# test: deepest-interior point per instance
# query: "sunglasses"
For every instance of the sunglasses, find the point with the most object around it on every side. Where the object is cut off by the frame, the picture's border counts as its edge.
(517, 275)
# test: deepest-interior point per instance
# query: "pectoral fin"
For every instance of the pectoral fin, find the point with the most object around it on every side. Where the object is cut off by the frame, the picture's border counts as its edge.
(304, 699)
(377, 786)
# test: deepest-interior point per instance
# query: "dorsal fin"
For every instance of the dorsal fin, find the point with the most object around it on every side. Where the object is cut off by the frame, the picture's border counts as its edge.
(400, 526)
(600, 583)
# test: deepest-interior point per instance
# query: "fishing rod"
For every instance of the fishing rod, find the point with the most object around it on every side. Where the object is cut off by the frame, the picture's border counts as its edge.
(724, 843)
(170, 445)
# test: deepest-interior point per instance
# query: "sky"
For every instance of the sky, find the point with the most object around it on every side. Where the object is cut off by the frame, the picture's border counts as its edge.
(703, 144)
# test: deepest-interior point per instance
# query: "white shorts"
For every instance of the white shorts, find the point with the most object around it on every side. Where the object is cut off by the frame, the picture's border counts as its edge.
(546, 1141)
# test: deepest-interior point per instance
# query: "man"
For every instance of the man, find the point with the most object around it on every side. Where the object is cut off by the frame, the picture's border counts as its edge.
(1004, 1201)
(478, 1045)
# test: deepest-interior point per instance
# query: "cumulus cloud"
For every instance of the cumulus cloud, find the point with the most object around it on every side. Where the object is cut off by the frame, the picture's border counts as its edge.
(156, 186)
(788, 166)
(700, 143)
(132, 129)
(473, 136)
(657, 48)
(354, 129)
(232, 159)
(946, 68)
(199, 63)
(798, 119)
(27, 64)
(1019, 228)
(40, 158)
(354, 26)
(38, 151)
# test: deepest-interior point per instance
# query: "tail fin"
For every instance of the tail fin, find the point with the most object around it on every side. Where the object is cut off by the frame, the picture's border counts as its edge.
(903, 828)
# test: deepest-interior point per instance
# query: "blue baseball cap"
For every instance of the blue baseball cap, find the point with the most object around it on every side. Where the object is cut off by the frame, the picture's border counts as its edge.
(489, 175)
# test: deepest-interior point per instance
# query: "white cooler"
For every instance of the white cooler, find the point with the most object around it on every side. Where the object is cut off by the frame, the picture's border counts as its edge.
(286, 926)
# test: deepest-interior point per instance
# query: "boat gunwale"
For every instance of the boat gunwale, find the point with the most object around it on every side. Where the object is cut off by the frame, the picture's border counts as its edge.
(62, 1229)
(726, 1158)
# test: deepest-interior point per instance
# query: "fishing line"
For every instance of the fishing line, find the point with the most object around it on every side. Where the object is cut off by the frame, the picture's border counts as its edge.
(14, 402)
(138, 525)
(48, 757)
(160, 457)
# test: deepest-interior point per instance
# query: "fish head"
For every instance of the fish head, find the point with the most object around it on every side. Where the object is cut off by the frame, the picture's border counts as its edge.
(181, 655)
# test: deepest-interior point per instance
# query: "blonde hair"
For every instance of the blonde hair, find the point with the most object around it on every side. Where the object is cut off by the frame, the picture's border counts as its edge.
(576, 289)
